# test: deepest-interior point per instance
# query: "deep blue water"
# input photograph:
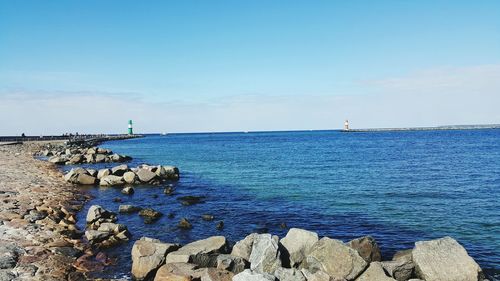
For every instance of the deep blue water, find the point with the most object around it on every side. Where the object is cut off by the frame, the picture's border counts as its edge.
(399, 187)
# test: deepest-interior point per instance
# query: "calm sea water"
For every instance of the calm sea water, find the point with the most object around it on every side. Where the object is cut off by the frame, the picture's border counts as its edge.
(399, 187)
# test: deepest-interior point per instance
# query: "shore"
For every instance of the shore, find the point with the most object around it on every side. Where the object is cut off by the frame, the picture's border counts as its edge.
(37, 215)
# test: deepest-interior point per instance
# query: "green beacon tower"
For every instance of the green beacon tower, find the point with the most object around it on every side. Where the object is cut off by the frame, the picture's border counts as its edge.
(130, 131)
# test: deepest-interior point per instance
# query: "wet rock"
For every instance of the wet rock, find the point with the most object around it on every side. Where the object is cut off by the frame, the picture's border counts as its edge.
(367, 248)
(207, 217)
(128, 190)
(111, 180)
(400, 270)
(191, 200)
(129, 177)
(248, 275)
(150, 214)
(243, 248)
(265, 255)
(168, 172)
(444, 260)
(185, 224)
(202, 252)
(297, 243)
(289, 274)
(220, 225)
(103, 173)
(168, 190)
(145, 175)
(335, 258)
(117, 199)
(128, 209)
(148, 255)
(178, 272)
(375, 272)
(232, 263)
(97, 215)
(119, 170)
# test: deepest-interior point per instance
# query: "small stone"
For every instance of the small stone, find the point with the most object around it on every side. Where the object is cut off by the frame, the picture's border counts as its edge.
(220, 225)
(168, 190)
(128, 209)
(191, 200)
(207, 217)
(185, 224)
(128, 190)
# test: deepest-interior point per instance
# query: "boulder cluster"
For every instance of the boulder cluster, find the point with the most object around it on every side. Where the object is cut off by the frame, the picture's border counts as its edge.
(71, 155)
(102, 229)
(300, 256)
(122, 175)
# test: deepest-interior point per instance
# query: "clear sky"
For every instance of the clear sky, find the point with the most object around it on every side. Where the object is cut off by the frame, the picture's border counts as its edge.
(183, 66)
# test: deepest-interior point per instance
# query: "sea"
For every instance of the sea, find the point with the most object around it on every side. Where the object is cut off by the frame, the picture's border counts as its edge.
(396, 186)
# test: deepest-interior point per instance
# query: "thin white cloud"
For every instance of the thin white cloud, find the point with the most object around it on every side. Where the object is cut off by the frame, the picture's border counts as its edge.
(443, 96)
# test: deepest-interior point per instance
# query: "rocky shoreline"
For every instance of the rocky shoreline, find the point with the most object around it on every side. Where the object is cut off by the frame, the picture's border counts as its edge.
(38, 236)
(39, 239)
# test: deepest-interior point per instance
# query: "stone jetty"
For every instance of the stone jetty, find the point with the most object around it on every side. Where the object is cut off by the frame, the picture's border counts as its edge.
(65, 154)
(123, 175)
(300, 256)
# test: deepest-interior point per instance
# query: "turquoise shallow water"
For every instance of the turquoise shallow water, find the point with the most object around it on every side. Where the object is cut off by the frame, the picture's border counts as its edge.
(399, 187)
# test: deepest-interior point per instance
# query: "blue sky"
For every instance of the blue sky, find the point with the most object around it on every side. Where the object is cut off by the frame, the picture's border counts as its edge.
(182, 66)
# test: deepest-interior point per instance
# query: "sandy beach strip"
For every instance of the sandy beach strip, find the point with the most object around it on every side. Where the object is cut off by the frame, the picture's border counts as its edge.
(38, 236)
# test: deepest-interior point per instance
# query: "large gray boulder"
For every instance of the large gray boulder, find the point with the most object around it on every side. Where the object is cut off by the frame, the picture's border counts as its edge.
(129, 177)
(97, 215)
(265, 256)
(119, 170)
(444, 259)
(400, 270)
(148, 255)
(103, 172)
(231, 263)
(375, 272)
(72, 175)
(145, 175)
(367, 248)
(167, 172)
(202, 252)
(85, 179)
(243, 248)
(59, 160)
(111, 180)
(248, 275)
(100, 158)
(297, 243)
(335, 258)
(289, 274)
